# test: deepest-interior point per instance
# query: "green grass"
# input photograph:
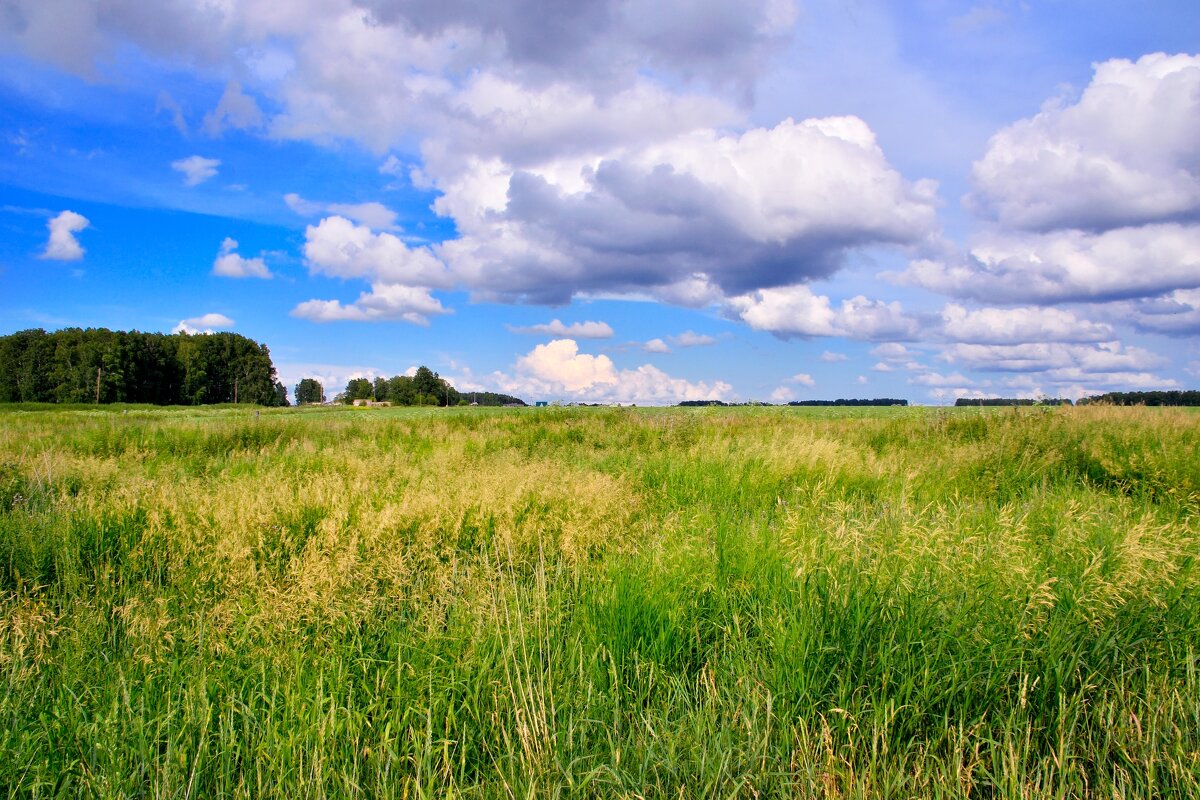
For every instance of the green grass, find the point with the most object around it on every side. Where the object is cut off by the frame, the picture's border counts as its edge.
(768, 602)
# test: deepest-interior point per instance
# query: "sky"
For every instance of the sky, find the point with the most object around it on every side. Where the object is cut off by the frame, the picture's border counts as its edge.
(626, 201)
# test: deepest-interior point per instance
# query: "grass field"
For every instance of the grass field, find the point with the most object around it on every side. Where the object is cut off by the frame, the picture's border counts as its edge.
(621, 602)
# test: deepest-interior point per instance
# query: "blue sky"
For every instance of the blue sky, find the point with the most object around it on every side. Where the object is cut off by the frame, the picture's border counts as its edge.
(619, 200)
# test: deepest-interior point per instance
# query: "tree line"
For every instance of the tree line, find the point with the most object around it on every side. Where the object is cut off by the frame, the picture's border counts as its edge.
(879, 401)
(97, 365)
(1012, 401)
(1189, 397)
(424, 388)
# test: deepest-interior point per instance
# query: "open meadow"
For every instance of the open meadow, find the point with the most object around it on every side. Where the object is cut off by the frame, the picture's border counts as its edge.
(773, 602)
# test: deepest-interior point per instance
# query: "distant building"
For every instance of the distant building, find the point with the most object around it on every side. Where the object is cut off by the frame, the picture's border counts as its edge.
(540, 403)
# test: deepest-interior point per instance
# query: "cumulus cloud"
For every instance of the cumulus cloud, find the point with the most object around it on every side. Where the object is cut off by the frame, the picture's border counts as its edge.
(1104, 357)
(797, 311)
(385, 301)
(938, 380)
(803, 378)
(205, 323)
(229, 264)
(1019, 325)
(765, 208)
(830, 357)
(576, 330)
(1069, 266)
(235, 110)
(372, 214)
(62, 244)
(893, 356)
(782, 394)
(1126, 153)
(1096, 200)
(558, 369)
(656, 346)
(196, 169)
(559, 362)
(339, 248)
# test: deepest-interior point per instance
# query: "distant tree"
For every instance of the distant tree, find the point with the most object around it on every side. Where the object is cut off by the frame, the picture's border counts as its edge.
(280, 395)
(380, 389)
(309, 391)
(492, 399)
(401, 391)
(426, 381)
(358, 389)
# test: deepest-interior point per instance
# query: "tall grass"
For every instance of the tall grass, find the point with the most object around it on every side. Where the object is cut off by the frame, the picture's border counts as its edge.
(643, 603)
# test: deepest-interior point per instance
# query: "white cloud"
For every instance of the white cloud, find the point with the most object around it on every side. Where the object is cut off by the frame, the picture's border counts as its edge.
(789, 311)
(797, 311)
(1124, 154)
(656, 346)
(1069, 265)
(229, 264)
(1019, 325)
(893, 351)
(305, 208)
(861, 380)
(372, 214)
(558, 369)
(196, 169)
(765, 208)
(205, 323)
(62, 244)
(576, 330)
(830, 357)
(235, 110)
(338, 247)
(1106, 381)
(692, 339)
(1097, 200)
(385, 301)
(560, 363)
(1104, 357)
(895, 356)
(803, 378)
(936, 379)
(782, 394)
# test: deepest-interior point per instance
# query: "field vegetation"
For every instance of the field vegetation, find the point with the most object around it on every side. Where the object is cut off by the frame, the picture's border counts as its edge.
(772, 602)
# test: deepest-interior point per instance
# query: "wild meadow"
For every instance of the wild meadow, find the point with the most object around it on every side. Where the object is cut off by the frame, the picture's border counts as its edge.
(774, 602)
